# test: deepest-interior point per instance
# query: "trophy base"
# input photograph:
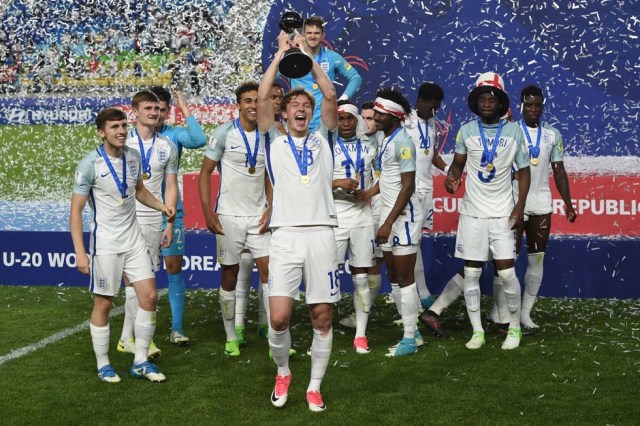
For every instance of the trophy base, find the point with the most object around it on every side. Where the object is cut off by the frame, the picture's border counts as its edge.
(295, 64)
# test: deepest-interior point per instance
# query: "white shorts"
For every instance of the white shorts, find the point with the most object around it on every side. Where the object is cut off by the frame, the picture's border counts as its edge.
(361, 244)
(426, 201)
(306, 254)
(404, 238)
(152, 234)
(240, 232)
(484, 239)
(375, 209)
(107, 270)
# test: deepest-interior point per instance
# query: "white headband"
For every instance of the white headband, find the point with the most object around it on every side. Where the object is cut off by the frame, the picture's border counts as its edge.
(361, 128)
(349, 109)
(388, 107)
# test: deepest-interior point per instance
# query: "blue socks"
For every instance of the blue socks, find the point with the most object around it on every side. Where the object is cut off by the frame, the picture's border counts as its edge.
(176, 300)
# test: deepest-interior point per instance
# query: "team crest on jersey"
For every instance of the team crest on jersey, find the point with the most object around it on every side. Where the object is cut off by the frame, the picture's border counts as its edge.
(313, 142)
(405, 153)
(133, 168)
(325, 66)
(162, 155)
(221, 253)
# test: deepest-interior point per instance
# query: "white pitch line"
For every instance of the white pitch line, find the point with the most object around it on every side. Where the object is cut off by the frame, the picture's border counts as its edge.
(54, 338)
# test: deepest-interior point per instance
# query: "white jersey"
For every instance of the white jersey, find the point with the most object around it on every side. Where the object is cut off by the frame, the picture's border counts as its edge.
(488, 193)
(356, 163)
(241, 190)
(551, 150)
(114, 228)
(162, 157)
(296, 203)
(397, 155)
(423, 134)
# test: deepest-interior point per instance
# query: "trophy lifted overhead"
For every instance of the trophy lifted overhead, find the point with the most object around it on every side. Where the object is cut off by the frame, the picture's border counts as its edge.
(294, 63)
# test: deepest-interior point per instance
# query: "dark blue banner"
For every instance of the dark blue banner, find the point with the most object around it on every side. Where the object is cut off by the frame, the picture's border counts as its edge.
(574, 267)
(584, 55)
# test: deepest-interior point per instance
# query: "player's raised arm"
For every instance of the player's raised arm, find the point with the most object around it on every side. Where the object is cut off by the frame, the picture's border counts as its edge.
(329, 107)
(265, 107)
(193, 136)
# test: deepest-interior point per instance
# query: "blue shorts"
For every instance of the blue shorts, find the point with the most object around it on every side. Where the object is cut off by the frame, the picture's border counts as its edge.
(177, 246)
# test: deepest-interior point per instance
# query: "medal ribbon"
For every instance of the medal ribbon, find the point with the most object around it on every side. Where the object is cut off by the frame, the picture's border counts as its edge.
(393, 135)
(122, 186)
(490, 155)
(302, 158)
(359, 164)
(146, 166)
(426, 143)
(534, 151)
(251, 157)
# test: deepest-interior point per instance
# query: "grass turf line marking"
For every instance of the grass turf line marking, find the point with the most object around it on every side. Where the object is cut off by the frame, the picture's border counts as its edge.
(54, 338)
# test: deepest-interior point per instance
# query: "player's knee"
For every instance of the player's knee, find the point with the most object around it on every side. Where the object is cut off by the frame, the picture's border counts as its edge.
(147, 299)
(279, 321)
(508, 274)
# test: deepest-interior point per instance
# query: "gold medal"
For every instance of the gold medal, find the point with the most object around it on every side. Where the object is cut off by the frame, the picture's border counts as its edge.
(426, 151)
(357, 176)
(534, 161)
(122, 201)
(305, 179)
(145, 176)
(315, 86)
(489, 167)
(377, 173)
(252, 170)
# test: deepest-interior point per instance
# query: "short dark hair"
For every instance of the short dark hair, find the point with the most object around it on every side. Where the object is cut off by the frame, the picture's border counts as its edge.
(347, 102)
(531, 90)
(430, 90)
(163, 94)
(314, 21)
(109, 114)
(247, 86)
(276, 84)
(367, 105)
(143, 96)
(295, 92)
(396, 96)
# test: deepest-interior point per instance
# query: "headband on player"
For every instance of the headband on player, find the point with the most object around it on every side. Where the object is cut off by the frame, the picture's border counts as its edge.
(361, 128)
(386, 106)
(349, 109)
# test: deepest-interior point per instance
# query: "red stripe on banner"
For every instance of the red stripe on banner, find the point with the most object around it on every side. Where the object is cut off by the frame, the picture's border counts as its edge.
(606, 205)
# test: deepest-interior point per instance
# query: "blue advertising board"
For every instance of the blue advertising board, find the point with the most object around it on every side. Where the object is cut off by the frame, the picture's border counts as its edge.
(574, 267)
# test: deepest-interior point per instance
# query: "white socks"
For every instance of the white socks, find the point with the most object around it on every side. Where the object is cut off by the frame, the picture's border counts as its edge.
(320, 353)
(418, 273)
(532, 282)
(243, 286)
(511, 287)
(228, 307)
(130, 309)
(361, 303)
(100, 340)
(472, 296)
(375, 281)
(280, 343)
(500, 312)
(145, 327)
(450, 294)
(409, 302)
